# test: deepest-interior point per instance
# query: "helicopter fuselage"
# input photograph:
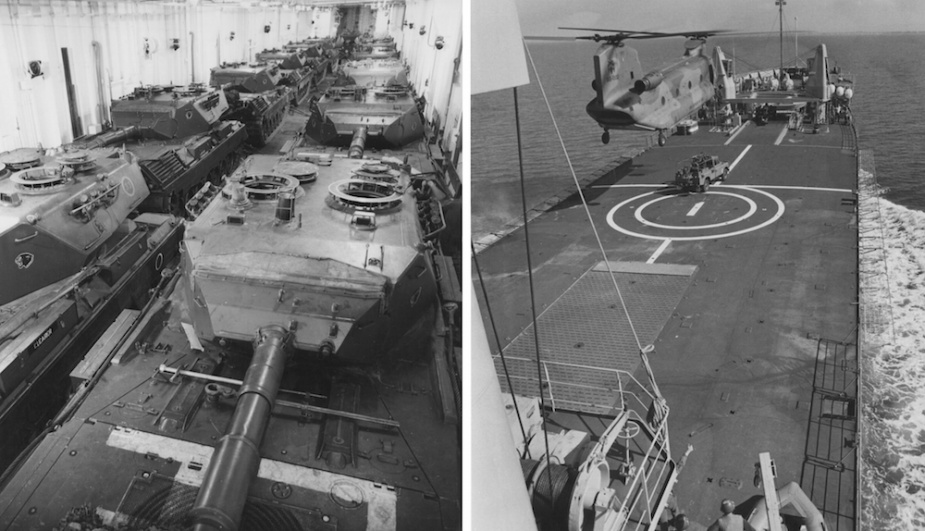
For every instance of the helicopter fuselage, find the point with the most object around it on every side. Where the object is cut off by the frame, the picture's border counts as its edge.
(629, 98)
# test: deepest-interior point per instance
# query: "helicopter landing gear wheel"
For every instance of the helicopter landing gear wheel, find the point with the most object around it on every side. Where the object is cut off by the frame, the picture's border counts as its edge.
(605, 138)
(662, 139)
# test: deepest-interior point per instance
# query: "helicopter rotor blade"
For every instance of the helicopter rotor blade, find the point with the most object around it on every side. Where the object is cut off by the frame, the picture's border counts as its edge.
(615, 31)
(617, 36)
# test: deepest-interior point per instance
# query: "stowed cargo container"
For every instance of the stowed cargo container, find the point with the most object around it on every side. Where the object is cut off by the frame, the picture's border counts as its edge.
(256, 97)
(389, 113)
(179, 138)
(70, 261)
(241, 405)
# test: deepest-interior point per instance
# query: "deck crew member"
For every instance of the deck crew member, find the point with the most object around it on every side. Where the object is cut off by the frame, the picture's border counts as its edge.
(729, 521)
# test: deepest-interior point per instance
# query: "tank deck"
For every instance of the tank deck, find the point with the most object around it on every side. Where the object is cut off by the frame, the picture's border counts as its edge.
(748, 293)
(135, 459)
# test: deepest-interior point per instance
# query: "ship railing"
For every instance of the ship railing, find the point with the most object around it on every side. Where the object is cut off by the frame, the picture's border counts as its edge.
(608, 390)
(609, 393)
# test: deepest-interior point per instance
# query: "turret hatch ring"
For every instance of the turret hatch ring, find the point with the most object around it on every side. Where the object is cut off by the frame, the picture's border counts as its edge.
(361, 194)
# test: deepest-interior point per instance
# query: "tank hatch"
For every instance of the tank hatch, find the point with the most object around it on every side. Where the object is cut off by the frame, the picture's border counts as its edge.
(340, 260)
(55, 218)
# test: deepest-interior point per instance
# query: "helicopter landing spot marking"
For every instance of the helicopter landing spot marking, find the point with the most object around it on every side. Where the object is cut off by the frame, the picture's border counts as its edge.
(693, 211)
(752, 208)
(780, 137)
(736, 132)
(742, 154)
(777, 215)
(659, 251)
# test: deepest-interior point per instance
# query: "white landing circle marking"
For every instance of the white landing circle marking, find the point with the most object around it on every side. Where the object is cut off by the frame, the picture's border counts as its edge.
(613, 224)
(752, 208)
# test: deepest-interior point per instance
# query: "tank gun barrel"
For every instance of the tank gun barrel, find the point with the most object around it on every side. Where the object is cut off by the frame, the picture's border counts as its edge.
(235, 462)
(357, 143)
(113, 137)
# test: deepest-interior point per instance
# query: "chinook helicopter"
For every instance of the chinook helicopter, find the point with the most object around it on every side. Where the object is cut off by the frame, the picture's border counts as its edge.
(626, 97)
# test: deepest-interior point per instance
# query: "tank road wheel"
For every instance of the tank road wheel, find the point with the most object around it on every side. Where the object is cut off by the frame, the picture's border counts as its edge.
(662, 139)
(605, 138)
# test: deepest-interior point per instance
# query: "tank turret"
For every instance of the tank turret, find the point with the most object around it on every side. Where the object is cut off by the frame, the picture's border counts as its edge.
(179, 138)
(297, 71)
(388, 114)
(286, 60)
(375, 49)
(343, 261)
(56, 218)
(256, 97)
(375, 72)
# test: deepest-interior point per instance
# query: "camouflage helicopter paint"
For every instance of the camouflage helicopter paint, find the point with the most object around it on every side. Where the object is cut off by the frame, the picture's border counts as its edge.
(626, 98)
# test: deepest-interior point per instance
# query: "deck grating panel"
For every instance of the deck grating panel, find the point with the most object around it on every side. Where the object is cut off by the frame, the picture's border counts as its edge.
(830, 468)
(587, 327)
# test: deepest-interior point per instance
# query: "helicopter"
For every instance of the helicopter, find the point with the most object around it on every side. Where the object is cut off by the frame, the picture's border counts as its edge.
(627, 98)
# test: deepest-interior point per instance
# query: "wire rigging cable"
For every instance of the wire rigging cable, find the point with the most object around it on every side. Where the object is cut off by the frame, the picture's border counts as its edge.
(494, 329)
(536, 335)
(584, 203)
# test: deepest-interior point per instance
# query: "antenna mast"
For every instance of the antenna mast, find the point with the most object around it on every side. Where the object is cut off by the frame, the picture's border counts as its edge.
(781, 3)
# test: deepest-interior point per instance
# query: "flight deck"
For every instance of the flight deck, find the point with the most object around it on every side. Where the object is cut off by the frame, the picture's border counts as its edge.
(747, 291)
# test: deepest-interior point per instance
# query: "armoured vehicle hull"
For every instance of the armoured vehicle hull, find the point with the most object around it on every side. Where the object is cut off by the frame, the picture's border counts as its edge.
(299, 71)
(179, 139)
(388, 113)
(256, 96)
(72, 259)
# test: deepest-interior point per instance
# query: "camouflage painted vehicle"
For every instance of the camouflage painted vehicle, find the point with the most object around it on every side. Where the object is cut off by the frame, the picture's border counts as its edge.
(179, 138)
(71, 259)
(257, 96)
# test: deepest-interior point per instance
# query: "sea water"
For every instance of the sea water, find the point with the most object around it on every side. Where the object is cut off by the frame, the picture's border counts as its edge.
(889, 75)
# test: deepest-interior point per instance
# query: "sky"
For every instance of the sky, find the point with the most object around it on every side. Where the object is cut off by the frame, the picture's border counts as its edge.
(542, 17)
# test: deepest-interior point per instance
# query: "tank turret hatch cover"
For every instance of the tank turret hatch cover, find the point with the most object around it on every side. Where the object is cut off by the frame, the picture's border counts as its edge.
(77, 159)
(305, 172)
(364, 195)
(378, 172)
(42, 180)
(20, 159)
(260, 187)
